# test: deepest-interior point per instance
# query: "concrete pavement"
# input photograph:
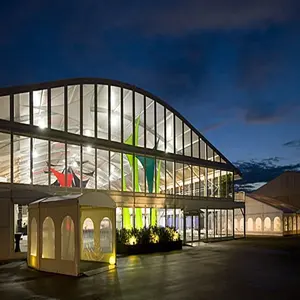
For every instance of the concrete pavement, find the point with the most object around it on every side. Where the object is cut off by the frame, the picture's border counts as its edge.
(242, 269)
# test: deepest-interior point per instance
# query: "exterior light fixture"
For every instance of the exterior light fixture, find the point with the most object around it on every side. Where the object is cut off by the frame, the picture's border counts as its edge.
(42, 124)
(88, 132)
(112, 260)
(89, 149)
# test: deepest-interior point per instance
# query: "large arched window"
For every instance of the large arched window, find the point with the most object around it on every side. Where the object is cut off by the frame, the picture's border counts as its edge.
(285, 224)
(267, 224)
(294, 223)
(88, 234)
(48, 239)
(258, 224)
(106, 236)
(250, 224)
(67, 239)
(33, 237)
(290, 223)
(277, 224)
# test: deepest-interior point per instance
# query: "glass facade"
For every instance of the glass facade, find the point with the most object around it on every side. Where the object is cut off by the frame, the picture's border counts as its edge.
(108, 136)
(73, 165)
(208, 224)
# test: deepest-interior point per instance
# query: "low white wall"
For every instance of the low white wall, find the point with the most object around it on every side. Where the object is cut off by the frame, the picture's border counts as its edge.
(261, 219)
(263, 233)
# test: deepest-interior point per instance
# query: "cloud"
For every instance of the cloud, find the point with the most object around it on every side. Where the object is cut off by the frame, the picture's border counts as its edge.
(167, 17)
(214, 126)
(264, 170)
(91, 20)
(175, 49)
(263, 112)
(293, 144)
(261, 59)
(249, 187)
(261, 115)
(179, 17)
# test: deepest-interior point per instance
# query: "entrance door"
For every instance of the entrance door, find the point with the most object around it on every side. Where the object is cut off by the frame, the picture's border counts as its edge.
(188, 228)
(192, 232)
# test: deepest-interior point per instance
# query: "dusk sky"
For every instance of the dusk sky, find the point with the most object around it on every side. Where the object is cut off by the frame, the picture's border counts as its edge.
(231, 67)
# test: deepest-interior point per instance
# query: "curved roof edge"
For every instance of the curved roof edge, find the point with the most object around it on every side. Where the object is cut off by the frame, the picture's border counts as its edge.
(93, 80)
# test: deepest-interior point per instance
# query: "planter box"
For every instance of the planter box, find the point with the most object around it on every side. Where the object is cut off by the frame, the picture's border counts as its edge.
(148, 248)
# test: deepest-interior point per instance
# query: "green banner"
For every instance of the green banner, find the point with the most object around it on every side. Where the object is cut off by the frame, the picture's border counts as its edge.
(126, 218)
(158, 177)
(153, 213)
(138, 218)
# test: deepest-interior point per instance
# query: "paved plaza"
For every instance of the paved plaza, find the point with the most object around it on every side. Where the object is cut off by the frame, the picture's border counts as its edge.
(255, 268)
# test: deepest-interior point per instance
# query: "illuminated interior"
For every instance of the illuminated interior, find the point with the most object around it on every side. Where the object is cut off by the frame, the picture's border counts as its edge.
(91, 134)
(135, 119)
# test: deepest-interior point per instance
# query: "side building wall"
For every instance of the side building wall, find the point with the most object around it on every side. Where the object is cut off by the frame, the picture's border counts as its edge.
(262, 219)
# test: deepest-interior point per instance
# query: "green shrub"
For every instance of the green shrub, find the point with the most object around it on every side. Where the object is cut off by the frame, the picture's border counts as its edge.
(152, 234)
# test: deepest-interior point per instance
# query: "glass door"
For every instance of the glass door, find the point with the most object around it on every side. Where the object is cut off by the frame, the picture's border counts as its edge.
(189, 229)
(195, 228)
(192, 229)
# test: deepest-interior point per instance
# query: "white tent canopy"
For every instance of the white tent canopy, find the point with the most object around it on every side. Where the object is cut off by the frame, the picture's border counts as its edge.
(65, 230)
(87, 199)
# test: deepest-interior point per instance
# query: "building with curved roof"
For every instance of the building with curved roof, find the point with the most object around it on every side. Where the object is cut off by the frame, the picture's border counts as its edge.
(85, 134)
(274, 208)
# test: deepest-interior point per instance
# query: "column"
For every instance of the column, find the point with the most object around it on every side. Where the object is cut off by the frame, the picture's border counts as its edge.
(206, 225)
(199, 226)
(174, 217)
(226, 222)
(166, 216)
(244, 221)
(184, 227)
(233, 225)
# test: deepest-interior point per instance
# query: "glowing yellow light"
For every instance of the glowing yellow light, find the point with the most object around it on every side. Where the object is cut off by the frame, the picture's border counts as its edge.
(88, 132)
(42, 124)
(89, 149)
(175, 236)
(33, 261)
(154, 238)
(132, 240)
(112, 260)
